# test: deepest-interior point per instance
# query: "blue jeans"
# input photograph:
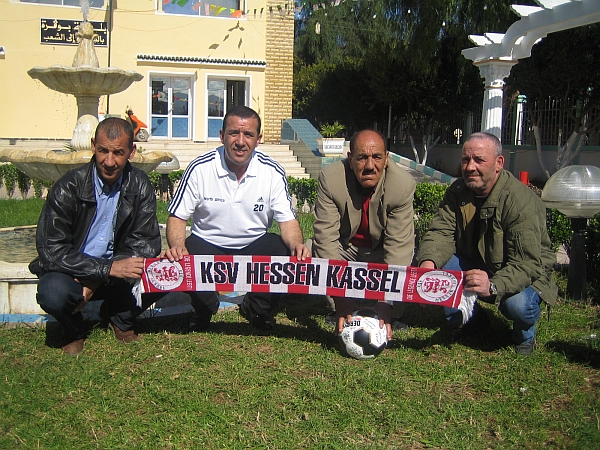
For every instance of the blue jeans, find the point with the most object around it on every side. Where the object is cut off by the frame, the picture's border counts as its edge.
(59, 294)
(522, 308)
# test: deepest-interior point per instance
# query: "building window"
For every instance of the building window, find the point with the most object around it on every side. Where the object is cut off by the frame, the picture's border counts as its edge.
(93, 3)
(222, 95)
(170, 98)
(217, 8)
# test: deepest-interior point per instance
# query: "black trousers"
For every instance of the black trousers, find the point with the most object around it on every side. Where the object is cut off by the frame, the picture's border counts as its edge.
(262, 304)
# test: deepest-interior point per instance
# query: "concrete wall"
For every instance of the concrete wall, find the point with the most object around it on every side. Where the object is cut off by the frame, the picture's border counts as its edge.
(446, 158)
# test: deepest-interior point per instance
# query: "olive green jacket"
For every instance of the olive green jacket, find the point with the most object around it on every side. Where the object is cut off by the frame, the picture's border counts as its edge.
(513, 240)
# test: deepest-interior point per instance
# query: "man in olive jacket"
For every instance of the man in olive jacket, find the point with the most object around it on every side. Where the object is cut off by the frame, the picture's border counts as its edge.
(364, 212)
(96, 227)
(493, 227)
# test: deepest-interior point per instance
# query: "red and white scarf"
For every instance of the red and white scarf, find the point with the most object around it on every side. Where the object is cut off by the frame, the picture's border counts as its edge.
(314, 276)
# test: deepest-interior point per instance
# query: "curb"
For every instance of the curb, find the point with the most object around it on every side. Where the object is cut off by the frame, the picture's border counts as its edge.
(425, 170)
(173, 307)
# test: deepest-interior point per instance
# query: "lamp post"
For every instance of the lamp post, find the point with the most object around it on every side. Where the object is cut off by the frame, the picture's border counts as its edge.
(165, 168)
(575, 192)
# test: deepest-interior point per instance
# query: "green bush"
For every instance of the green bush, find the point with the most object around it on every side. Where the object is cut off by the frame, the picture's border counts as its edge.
(331, 130)
(426, 203)
(156, 180)
(592, 250)
(39, 185)
(11, 178)
(559, 229)
(24, 183)
(9, 174)
(305, 189)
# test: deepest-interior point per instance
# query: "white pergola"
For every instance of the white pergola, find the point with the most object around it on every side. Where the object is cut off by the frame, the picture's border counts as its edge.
(496, 53)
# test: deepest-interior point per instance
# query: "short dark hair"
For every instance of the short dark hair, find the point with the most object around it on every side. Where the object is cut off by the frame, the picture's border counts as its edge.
(497, 145)
(357, 134)
(113, 128)
(242, 112)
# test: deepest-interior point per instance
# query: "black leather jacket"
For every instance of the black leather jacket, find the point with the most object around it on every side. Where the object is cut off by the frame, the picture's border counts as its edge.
(68, 214)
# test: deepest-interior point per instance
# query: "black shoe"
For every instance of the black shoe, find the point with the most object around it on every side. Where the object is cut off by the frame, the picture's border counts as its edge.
(526, 348)
(398, 325)
(200, 323)
(478, 323)
(257, 321)
(331, 318)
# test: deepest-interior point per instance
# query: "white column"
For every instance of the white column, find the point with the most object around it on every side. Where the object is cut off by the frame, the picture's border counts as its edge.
(493, 71)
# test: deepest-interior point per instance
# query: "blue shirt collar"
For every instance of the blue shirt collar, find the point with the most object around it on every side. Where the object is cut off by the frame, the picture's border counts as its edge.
(100, 187)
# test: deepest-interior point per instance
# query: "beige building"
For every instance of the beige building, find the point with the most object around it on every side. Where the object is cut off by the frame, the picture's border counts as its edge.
(197, 59)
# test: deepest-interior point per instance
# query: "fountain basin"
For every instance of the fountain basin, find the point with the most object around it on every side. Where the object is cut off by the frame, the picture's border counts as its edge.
(85, 80)
(18, 287)
(53, 164)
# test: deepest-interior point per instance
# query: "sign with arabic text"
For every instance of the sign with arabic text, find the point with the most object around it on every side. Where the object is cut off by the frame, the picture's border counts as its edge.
(59, 31)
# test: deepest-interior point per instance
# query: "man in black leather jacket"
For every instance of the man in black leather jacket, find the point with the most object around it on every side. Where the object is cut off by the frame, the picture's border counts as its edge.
(96, 226)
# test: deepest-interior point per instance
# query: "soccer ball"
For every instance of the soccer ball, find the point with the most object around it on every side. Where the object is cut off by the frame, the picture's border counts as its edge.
(362, 338)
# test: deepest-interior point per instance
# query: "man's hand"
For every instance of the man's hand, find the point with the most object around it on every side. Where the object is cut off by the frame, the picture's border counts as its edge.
(300, 251)
(427, 264)
(88, 293)
(174, 253)
(127, 268)
(342, 320)
(292, 236)
(477, 281)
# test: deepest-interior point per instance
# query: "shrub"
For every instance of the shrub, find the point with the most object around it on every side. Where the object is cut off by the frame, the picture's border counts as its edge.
(156, 180)
(559, 229)
(592, 250)
(426, 203)
(331, 130)
(9, 178)
(305, 190)
(24, 183)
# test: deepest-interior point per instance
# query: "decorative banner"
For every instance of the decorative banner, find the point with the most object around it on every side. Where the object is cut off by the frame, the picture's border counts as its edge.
(314, 276)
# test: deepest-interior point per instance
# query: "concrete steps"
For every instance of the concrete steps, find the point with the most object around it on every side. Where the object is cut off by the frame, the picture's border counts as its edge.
(186, 151)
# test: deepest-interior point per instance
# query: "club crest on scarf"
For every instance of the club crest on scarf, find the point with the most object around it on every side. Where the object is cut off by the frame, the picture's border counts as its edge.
(165, 275)
(437, 286)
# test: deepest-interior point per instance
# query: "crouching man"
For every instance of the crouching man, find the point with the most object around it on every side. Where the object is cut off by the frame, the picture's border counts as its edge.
(493, 227)
(96, 227)
(364, 212)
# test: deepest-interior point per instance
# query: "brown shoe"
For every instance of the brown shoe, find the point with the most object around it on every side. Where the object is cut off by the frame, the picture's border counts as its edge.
(125, 336)
(74, 348)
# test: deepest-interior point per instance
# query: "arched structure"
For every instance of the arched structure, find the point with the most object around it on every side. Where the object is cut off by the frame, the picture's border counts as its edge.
(496, 53)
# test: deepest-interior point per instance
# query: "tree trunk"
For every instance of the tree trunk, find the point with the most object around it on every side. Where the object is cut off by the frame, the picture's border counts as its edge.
(538, 148)
(566, 154)
(414, 149)
(428, 146)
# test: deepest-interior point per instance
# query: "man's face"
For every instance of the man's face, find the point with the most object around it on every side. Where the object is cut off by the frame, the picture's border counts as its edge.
(480, 166)
(239, 137)
(368, 159)
(111, 156)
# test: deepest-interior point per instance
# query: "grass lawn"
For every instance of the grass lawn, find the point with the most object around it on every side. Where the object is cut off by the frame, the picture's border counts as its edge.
(15, 213)
(232, 388)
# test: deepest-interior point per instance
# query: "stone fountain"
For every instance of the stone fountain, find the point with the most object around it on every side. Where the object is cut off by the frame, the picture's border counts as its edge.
(87, 82)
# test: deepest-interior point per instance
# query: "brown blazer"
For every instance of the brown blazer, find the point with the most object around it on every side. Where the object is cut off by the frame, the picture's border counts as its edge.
(338, 212)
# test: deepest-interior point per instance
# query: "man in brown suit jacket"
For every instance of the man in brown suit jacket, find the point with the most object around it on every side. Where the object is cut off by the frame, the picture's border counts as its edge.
(364, 212)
